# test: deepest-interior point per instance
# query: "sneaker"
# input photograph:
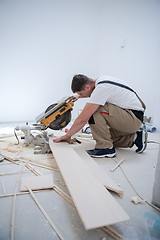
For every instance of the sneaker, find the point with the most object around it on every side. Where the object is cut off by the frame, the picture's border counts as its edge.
(141, 141)
(99, 153)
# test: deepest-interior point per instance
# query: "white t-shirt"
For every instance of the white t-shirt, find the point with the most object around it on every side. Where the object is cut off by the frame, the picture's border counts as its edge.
(114, 94)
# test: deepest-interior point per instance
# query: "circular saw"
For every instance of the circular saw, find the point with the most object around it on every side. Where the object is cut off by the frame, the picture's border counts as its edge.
(57, 115)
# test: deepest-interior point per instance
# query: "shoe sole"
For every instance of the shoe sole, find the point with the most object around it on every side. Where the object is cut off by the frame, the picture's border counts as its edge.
(145, 136)
(105, 155)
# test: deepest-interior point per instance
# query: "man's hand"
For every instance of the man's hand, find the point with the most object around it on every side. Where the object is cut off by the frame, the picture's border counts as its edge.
(74, 98)
(80, 121)
(64, 138)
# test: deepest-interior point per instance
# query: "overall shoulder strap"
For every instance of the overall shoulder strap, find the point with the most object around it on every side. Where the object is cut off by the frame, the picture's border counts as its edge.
(126, 87)
(117, 84)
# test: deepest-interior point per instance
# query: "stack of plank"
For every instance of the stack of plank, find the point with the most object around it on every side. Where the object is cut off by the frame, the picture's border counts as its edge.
(94, 203)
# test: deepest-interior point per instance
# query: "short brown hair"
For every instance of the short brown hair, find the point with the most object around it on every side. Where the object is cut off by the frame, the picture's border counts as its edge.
(79, 81)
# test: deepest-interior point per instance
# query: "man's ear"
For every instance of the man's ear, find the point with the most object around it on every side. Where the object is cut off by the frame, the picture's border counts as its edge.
(87, 87)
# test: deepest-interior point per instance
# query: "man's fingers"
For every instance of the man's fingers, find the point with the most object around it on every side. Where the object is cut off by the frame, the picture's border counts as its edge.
(62, 139)
(56, 140)
(74, 98)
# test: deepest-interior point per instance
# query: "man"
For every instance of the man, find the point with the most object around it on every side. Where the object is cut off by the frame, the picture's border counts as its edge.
(114, 112)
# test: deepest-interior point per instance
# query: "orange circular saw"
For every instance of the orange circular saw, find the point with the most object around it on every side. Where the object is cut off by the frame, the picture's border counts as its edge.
(57, 115)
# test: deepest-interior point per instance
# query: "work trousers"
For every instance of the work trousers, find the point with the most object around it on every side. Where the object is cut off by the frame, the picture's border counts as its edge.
(113, 126)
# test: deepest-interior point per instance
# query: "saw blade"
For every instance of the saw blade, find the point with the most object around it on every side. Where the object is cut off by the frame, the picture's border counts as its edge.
(61, 120)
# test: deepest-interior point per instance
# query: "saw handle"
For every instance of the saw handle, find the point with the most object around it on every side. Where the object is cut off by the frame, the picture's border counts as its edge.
(74, 98)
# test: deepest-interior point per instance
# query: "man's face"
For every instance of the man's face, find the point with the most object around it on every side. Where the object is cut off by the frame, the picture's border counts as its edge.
(86, 92)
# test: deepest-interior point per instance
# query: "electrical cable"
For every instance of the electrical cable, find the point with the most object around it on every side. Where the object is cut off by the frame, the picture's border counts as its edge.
(16, 136)
(157, 208)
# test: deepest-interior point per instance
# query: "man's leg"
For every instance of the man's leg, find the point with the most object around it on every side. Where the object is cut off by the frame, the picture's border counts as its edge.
(120, 139)
(100, 131)
(112, 125)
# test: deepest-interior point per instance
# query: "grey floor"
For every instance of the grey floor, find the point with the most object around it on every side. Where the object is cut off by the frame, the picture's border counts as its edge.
(136, 174)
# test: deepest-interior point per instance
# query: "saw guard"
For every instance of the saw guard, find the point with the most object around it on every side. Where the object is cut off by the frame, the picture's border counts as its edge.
(55, 115)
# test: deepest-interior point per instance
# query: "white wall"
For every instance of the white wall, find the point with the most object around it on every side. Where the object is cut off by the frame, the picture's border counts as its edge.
(44, 43)
(130, 48)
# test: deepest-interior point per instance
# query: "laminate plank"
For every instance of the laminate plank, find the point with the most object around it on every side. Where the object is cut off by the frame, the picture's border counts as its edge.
(37, 182)
(94, 203)
(104, 178)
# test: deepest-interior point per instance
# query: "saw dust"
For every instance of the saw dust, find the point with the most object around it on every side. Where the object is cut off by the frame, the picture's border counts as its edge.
(11, 149)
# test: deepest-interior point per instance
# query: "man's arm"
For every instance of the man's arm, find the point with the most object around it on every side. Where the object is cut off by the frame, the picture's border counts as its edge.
(80, 121)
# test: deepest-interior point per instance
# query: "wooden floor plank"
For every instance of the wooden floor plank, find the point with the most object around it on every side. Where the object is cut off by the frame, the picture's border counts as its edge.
(37, 182)
(94, 203)
(104, 178)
